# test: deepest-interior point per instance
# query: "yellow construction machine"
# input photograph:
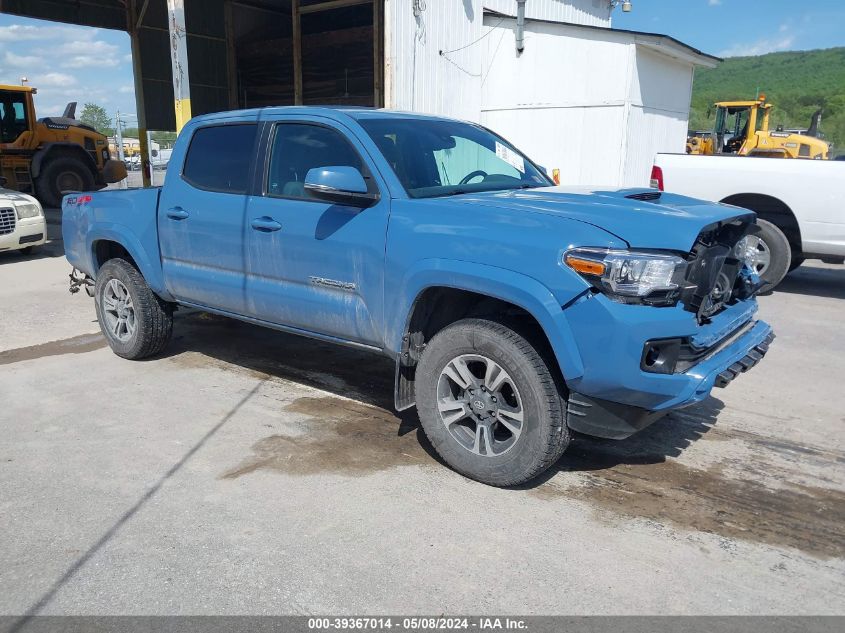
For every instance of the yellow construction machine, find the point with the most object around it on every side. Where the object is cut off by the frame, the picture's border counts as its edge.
(50, 156)
(742, 128)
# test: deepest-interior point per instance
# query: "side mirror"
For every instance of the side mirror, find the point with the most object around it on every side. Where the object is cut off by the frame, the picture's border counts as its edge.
(341, 185)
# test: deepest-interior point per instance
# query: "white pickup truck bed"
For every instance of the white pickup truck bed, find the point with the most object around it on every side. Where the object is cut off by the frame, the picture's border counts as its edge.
(804, 199)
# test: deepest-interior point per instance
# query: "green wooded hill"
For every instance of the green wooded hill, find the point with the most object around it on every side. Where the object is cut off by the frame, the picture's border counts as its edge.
(796, 83)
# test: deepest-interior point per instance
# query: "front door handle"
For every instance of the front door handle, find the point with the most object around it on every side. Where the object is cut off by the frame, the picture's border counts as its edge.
(265, 224)
(177, 213)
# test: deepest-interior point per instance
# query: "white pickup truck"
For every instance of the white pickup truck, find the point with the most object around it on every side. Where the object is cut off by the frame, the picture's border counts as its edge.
(800, 204)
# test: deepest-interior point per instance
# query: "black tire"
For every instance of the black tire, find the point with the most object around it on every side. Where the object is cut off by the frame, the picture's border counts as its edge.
(796, 262)
(62, 172)
(153, 317)
(543, 436)
(780, 254)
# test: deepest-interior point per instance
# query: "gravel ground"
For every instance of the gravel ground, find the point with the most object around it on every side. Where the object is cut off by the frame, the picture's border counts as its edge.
(251, 472)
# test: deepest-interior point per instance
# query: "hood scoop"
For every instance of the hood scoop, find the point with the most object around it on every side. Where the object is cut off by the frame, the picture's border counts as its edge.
(645, 196)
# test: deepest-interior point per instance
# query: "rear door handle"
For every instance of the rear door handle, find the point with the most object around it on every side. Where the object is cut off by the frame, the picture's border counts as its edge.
(265, 224)
(177, 213)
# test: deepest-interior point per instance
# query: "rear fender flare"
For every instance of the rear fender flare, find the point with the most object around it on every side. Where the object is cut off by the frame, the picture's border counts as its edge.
(151, 270)
(499, 283)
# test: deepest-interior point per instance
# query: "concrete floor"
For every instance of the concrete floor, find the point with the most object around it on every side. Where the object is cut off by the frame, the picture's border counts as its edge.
(251, 472)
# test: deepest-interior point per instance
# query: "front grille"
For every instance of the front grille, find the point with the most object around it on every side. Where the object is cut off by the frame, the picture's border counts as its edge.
(714, 280)
(7, 221)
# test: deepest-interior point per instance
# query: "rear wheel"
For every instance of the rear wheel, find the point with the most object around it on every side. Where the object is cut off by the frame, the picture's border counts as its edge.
(771, 254)
(489, 403)
(62, 174)
(135, 322)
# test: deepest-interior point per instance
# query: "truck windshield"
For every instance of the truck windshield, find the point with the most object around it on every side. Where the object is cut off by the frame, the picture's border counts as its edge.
(440, 158)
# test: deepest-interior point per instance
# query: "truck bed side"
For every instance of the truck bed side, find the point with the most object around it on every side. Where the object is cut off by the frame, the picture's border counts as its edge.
(94, 223)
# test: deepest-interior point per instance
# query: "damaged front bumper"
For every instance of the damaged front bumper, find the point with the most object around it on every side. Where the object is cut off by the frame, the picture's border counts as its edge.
(618, 395)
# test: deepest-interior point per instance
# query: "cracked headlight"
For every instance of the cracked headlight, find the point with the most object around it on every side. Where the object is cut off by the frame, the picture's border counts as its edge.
(630, 276)
(28, 210)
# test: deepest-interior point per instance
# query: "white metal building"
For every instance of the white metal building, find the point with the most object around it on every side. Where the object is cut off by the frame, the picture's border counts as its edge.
(593, 102)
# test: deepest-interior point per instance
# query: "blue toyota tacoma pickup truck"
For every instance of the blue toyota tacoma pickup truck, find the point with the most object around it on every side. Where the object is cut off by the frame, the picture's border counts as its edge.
(517, 312)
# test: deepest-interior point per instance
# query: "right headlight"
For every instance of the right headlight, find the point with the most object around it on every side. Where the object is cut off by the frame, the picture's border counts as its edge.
(630, 276)
(28, 210)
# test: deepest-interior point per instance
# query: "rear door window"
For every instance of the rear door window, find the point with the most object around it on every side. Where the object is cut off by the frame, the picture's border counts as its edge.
(220, 157)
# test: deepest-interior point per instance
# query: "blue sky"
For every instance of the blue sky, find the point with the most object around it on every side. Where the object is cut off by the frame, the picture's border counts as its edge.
(731, 28)
(70, 63)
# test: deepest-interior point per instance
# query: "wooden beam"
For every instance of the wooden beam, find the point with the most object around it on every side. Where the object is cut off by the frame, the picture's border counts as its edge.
(378, 53)
(297, 52)
(231, 55)
(331, 4)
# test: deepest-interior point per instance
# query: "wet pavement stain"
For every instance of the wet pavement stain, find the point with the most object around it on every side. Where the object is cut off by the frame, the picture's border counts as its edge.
(340, 436)
(637, 478)
(74, 345)
(806, 518)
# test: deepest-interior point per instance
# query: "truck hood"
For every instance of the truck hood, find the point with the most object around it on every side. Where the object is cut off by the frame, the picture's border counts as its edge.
(669, 222)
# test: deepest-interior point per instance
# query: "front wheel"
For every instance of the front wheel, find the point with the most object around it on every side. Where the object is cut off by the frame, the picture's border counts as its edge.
(489, 403)
(135, 322)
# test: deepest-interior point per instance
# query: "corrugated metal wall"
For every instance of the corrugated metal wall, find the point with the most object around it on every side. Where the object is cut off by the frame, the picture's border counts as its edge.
(594, 103)
(563, 101)
(594, 12)
(418, 76)
(659, 116)
(435, 59)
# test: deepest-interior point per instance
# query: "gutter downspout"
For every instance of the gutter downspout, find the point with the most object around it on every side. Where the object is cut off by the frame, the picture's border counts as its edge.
(520, 25)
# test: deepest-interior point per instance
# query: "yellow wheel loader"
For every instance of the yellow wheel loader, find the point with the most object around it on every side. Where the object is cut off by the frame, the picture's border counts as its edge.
(742, 128)
(48, 157)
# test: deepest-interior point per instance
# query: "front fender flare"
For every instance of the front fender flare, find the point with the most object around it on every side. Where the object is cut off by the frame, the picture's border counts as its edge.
(499, 283)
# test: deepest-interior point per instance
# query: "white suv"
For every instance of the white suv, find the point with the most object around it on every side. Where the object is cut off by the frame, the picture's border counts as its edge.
(22, 224)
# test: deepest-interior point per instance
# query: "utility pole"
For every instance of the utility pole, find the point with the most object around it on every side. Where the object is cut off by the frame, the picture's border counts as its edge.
(118, 140)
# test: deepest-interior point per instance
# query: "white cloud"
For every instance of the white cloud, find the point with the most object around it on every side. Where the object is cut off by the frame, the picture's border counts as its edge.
(23, 63)
(127, 89)
(54, 80)
(20, 33)
(760, 47)
(83, 54)
(714, 3)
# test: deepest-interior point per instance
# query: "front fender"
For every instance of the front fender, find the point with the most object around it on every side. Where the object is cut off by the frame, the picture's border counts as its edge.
(506, 285)
(151, 270)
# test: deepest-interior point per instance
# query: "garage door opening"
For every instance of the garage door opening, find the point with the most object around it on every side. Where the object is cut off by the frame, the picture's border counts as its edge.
(311, 52)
